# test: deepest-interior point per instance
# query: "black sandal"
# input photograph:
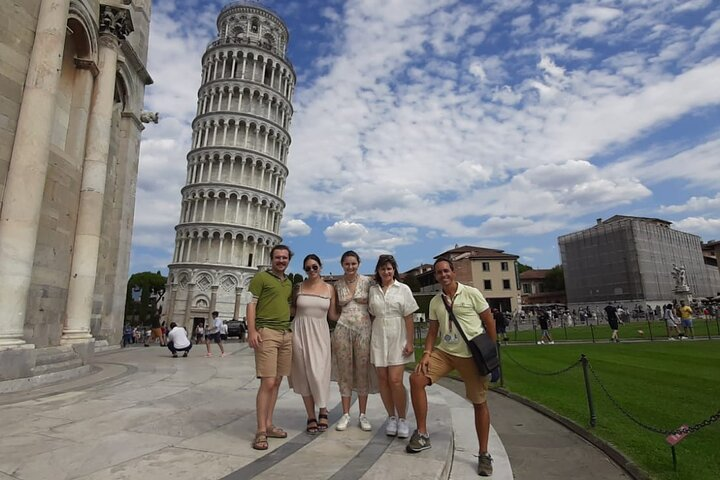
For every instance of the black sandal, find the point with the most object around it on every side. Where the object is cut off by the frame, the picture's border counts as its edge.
(312, 426)
(322, 426)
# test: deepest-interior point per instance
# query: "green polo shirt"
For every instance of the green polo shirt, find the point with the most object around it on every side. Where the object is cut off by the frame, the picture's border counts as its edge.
(468, 303)
(273, 297)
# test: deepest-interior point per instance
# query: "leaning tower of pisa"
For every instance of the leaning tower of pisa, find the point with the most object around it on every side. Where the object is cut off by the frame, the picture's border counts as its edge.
(232, 201)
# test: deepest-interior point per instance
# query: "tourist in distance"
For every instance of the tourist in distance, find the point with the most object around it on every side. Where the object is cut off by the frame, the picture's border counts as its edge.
(178, 341)
(199, 333)
(612, 319)
(314, 303)
(392, 342)
(351, 341)
(268, 324)
(501, 324)
(452, 353)
(214, 333)
(671, 322)
(544, 321)
(686, 317)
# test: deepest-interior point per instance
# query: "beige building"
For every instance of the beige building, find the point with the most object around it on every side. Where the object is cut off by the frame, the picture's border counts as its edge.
(491, 271)
(232, 201)
(534, 290)
(72, 82)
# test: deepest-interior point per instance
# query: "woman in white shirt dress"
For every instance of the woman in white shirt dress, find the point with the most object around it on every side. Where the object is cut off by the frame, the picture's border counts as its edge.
(391, 346)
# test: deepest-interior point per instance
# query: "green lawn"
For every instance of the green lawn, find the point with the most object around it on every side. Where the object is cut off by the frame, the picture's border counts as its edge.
(664, 384)
(634, 330)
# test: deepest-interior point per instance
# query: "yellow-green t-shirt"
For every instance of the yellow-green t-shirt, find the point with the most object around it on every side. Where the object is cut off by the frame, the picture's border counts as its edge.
(686, 312)
(273, 297)
(468, 303)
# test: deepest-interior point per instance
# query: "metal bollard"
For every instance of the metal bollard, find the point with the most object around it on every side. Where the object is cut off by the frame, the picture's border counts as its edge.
(588, 391)
(502, 376)
(650, 330)
(707, 326)
(592, 332)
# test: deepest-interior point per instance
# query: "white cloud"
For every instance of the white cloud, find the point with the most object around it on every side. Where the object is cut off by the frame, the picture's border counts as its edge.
(695, 204)
(295, 228)
(367, 241)
(705, 227)
(692, 5)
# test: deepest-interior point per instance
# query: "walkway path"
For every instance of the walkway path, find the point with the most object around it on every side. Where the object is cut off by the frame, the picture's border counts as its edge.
(143, 414)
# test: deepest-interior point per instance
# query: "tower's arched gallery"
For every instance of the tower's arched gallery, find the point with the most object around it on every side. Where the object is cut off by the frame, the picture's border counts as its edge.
(232, 201)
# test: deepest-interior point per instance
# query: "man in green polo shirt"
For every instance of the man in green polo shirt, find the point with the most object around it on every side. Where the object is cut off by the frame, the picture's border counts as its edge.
(268, 324)
(452, 353)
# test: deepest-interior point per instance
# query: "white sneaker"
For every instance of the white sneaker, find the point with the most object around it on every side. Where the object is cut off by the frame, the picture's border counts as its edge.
(391, 429)
(364, 423)
(343, 423)
(403, 429)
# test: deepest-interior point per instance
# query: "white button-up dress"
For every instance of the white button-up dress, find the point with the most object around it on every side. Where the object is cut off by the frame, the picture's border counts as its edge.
(388, 330)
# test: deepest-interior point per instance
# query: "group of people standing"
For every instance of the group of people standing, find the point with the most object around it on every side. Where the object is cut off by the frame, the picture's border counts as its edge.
(372, 342)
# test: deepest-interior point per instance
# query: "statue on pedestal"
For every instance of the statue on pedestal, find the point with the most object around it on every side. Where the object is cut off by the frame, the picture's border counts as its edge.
(680, 277)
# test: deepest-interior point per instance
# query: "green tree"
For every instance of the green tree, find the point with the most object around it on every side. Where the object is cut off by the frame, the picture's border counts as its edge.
(143, 310)
(523, 268)
(411, 281)
(555, 279)
(295, 278)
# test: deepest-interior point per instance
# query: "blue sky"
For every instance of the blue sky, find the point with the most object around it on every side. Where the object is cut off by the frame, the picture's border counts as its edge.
(423, 124)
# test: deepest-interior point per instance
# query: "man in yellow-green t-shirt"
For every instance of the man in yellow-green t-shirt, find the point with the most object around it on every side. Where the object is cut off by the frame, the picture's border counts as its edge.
(268, 324)
(686, 317)
(473, 313)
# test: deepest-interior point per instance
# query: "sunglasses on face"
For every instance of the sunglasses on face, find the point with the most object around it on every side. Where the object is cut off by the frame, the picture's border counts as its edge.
(311, 268)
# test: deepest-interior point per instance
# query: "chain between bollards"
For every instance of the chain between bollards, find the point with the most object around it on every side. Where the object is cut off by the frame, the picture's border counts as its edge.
(588, 391)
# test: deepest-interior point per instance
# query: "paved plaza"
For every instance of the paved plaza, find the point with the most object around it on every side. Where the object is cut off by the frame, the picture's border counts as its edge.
(142, 414)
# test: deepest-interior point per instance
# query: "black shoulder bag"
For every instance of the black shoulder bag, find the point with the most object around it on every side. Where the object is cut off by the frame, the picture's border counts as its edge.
(482, 347)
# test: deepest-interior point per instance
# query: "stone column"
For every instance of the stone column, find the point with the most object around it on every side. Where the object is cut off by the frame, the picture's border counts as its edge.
(213, 298)
(171, 305)
(115, 24)
(238, 301)
(25, 185)
(188, 305)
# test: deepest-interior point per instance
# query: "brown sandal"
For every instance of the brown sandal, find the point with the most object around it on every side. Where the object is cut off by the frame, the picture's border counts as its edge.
(312, 426)
(260, 442)
(276, 432)
(323, 425)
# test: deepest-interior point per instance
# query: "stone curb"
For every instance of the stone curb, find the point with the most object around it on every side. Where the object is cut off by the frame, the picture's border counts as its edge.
(608, 449)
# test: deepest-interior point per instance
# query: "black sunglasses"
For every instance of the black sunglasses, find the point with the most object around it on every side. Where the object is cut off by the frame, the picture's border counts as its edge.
(311, 268)
(386, 258)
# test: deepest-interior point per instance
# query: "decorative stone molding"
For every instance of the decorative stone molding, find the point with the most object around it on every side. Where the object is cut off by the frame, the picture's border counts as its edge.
(86, 64)
(116, 21)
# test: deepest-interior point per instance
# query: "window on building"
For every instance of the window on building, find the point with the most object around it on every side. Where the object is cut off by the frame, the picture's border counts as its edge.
(486, 266)
(504, 266)
(487, 284)
(255, 26)
(526, 288)
(506, 284)
(250, 260)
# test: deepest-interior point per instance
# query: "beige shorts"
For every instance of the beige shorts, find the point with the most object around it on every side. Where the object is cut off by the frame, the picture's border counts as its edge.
(273, 357)
(476, 386)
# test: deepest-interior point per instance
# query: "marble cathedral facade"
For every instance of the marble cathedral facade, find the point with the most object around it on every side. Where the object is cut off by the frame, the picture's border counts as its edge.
(72, 83)
(232, 201)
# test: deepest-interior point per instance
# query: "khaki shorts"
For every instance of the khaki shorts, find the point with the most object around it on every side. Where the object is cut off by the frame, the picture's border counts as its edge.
(273, 357)
(476, 386)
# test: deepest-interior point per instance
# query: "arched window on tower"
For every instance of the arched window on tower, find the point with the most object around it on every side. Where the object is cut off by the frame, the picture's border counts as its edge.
(255, 26)
(268, 42)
